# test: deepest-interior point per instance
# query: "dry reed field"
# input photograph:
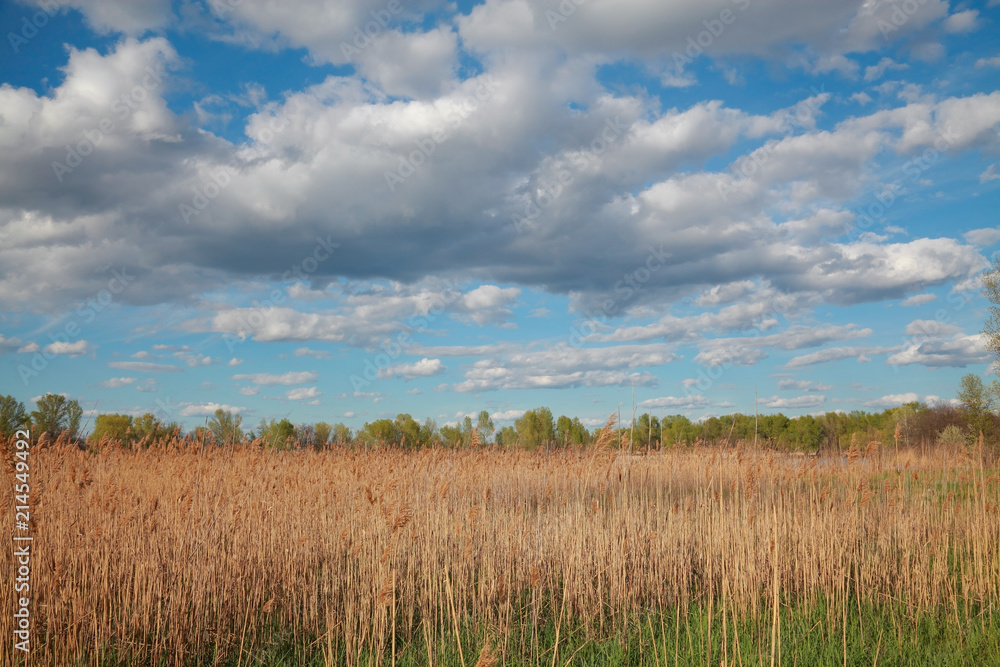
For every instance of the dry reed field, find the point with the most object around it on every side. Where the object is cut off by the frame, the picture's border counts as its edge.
(191, 554)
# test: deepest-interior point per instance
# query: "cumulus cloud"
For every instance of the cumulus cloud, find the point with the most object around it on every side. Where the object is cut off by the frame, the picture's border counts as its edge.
(423, 368)
(303, 393)
(565, 366)
(964, 21)
(918, 300)
(957, 351)
(507, 415)
(893, 400)
(675, 402)
(807, 401)
(288, 186)
(206, 409)
(12, 343)
(74, 349)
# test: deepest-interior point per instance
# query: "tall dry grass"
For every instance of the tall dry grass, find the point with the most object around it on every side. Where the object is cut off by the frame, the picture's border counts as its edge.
(181, 551)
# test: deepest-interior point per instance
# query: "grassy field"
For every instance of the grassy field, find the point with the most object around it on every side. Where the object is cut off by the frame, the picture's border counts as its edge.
(183, 555)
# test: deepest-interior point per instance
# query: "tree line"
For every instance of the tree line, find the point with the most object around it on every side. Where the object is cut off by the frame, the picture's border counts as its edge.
(907, 425)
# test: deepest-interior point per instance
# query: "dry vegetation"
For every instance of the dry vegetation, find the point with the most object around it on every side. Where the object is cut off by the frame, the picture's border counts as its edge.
(181, 553)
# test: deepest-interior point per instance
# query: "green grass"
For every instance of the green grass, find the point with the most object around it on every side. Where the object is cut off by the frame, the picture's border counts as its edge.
(813, 635)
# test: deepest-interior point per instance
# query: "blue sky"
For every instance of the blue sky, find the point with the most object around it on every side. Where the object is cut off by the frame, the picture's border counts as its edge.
(340, 211)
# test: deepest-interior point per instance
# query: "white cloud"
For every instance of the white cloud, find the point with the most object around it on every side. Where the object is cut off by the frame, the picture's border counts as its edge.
(423, 368)
(918, 300)
(272, 379)
(487, 304)
(124, 16)
(507, 415)
(876, 71)
(565, 366)
(307, 352)
(234, 362)
(116, 383)
(923, 329)
(807, 401)
(675, 402)
(804, 385)
(749, 350)
(206, 409)
(730, 355)
(958, 351)
(13, 343)
(836, 354)
(893, 400)
(990, 174)
(303, 393)
(74, 349)
(964, 21)
(988, 62)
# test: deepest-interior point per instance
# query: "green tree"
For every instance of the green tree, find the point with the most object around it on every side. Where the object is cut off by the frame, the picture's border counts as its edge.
(277, 434)
(322, 431)
(409, 431)
(976, 405)
(507, 437)
(380, 432)
(148, 428)
(428, 431)
(115, 427)
(54, 414)
(535, 428)
(452, 436)
(225, 427)
(12, 415)
(485, 426)
(563, 426)
(342, 434)
(647, 430)
(991, 289)
(467, 429)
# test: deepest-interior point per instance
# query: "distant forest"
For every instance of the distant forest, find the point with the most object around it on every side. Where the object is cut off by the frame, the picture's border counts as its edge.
(912, 424)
